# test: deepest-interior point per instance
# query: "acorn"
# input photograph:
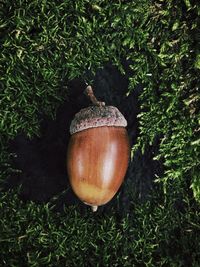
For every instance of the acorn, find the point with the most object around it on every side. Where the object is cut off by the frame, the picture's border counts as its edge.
(98, 152)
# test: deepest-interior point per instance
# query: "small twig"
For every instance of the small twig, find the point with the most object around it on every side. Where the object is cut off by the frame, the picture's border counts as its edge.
(91, 96)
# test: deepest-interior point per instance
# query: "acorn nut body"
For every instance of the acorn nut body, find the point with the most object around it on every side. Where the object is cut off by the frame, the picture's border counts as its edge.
(98, 154)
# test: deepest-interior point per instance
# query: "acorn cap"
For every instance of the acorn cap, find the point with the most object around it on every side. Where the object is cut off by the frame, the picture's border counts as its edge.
(96, 116)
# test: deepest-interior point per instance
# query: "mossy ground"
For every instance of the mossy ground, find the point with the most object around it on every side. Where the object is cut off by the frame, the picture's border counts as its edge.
(44, 45)
(153, 234)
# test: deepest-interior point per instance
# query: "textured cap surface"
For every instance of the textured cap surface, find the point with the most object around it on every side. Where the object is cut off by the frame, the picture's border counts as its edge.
(95, 116)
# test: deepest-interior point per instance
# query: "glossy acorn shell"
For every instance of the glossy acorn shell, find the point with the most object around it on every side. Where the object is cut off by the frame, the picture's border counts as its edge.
(97, 160)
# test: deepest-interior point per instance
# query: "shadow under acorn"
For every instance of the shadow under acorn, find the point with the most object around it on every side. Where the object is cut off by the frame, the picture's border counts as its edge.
(42, 160)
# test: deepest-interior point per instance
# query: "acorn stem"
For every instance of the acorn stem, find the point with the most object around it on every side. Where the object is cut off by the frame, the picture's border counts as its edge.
(94, 208)
(89, 92)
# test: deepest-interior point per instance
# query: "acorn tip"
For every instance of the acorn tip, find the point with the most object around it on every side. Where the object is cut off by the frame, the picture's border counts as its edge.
(94, 208)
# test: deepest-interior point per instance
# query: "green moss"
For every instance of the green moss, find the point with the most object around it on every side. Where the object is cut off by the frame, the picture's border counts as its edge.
(46, 43)
(152, 235)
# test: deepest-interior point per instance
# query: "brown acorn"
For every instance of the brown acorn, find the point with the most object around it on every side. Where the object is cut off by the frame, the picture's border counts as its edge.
(98, 152)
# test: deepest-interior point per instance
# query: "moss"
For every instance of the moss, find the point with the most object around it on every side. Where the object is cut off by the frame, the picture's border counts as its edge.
(151, 235)
(46, 44)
